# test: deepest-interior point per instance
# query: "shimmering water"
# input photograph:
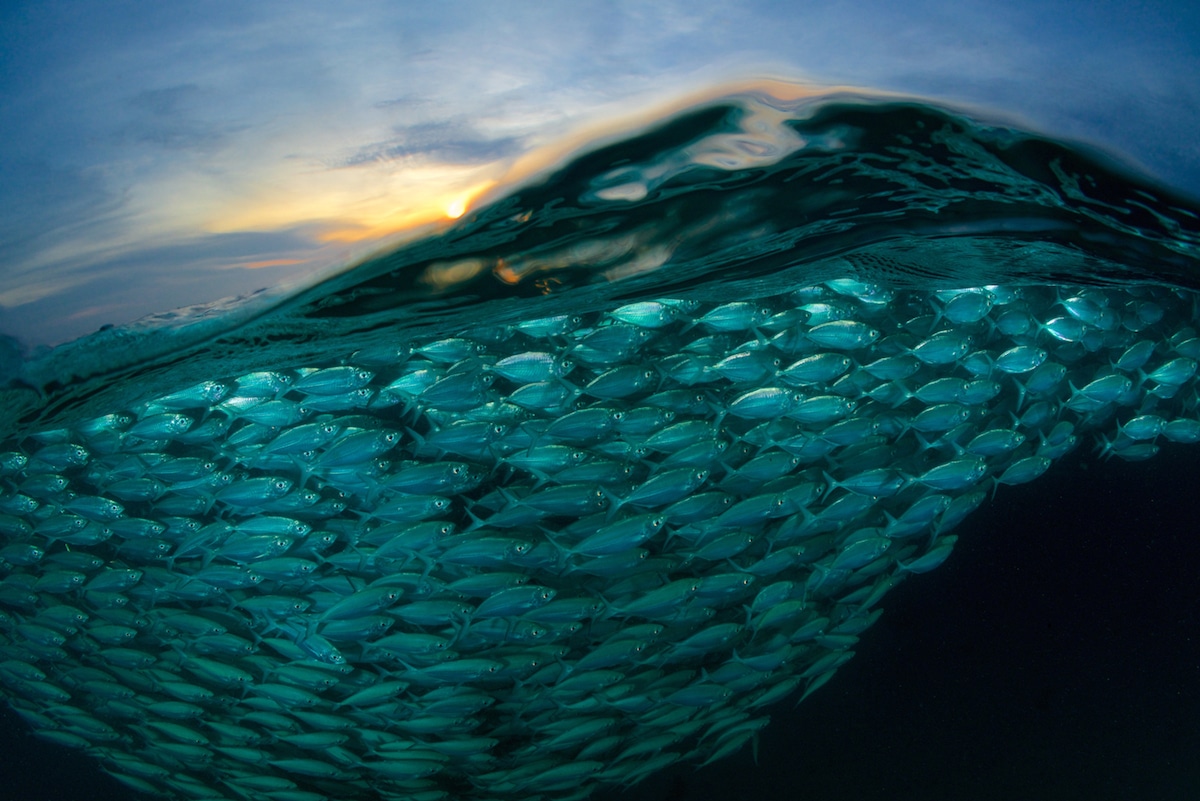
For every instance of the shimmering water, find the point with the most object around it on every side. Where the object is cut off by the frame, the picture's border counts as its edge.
(582, 487)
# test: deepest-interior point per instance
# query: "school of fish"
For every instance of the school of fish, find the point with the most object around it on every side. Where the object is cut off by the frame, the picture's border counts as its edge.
(531, 560)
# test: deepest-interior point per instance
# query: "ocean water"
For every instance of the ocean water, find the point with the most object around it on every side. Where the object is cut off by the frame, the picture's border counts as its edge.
(720, 384)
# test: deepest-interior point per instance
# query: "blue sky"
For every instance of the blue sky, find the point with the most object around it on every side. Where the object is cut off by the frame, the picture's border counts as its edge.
(158, 155)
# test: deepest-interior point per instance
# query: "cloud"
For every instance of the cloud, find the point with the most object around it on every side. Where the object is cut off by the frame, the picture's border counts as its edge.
(173, 117)
(81, 297)
(452, 141)
(43, 204)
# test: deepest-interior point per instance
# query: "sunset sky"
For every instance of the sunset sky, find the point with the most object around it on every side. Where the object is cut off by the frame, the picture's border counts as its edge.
(162, 155)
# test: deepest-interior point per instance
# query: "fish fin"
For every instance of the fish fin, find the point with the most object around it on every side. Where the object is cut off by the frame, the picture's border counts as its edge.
(510, 500)
(731, 470)
(1074, 390)
(564, 553)
(206, 557)
(608, 605)
(831, 484)
(615, 502)
(542, 476)
(905, 394)
(476, 520)
(574, 390)
(458, 634)
(1021, 394)
(925, 444)
(939, 314)
(815, 684)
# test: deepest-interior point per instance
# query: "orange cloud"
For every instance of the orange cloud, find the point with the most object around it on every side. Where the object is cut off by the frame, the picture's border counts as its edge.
(254, 265)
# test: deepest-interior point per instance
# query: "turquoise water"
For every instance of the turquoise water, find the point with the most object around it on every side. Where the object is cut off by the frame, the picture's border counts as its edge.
(626, 457)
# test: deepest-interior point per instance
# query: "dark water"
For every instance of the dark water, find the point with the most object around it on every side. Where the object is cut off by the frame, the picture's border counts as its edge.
(1050, 656)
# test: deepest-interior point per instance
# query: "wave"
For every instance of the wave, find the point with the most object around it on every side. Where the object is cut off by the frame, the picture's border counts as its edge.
(588, 483)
